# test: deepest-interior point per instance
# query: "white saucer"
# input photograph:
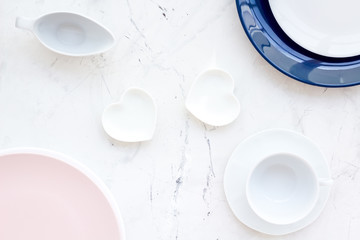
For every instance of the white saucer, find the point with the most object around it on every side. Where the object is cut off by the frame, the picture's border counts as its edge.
(254, 149)
(326, 27)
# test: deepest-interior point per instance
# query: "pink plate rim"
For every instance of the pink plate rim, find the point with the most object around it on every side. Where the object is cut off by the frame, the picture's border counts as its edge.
(81, 168)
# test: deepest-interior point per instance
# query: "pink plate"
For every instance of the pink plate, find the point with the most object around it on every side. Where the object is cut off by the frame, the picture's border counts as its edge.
(45, 195)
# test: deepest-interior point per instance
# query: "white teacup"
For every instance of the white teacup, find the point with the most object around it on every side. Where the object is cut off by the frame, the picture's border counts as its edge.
(283, 188)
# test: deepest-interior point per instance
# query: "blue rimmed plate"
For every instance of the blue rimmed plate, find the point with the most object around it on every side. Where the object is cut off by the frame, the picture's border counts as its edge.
(290, 58)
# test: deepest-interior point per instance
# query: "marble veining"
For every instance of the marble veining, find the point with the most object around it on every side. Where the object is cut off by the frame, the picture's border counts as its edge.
(172, 186)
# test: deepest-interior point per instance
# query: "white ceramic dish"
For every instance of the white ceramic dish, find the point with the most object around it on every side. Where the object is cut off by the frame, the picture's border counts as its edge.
(326, 27)
(133, 119)
(46, 195)
(211, 98)
(283, 188)
(249, 154)
(69, 33)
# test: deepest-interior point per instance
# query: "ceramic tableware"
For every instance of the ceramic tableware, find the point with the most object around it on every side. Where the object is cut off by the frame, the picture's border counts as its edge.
(325, 27)
(133, 119)
(69, 33)
(290, 58)
(46, 195)
(211, 98)
(283, 188)
(253, 152)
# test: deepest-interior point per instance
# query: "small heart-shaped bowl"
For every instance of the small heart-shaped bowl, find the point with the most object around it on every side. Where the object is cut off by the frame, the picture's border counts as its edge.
(211, 98)
(133, 119)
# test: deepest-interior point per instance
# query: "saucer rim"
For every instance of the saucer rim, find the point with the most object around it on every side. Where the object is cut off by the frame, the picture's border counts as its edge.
(249, 218)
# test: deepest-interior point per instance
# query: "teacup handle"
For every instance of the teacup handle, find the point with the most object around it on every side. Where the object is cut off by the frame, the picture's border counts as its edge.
(24, 23)
(325, 181)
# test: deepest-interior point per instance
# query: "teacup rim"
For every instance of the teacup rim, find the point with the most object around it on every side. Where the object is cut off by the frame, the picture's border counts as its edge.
(314, 200)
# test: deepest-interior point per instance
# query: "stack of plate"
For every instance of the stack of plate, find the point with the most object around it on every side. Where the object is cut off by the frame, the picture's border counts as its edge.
(315, 42)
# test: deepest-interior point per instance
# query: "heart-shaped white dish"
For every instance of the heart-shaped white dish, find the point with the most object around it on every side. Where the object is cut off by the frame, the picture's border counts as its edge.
(211, 98)
(133, 119)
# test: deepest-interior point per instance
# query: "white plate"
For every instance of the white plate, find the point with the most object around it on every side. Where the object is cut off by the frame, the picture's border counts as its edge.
(254, 149)
(325, 27)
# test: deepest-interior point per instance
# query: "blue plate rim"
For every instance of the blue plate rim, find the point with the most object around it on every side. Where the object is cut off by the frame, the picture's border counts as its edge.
(306, 81)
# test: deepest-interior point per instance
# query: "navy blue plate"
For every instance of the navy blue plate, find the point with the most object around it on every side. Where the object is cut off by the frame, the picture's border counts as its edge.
(290, 58)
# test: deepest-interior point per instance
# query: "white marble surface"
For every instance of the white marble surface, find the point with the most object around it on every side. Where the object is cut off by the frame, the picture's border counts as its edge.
(172, 186)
